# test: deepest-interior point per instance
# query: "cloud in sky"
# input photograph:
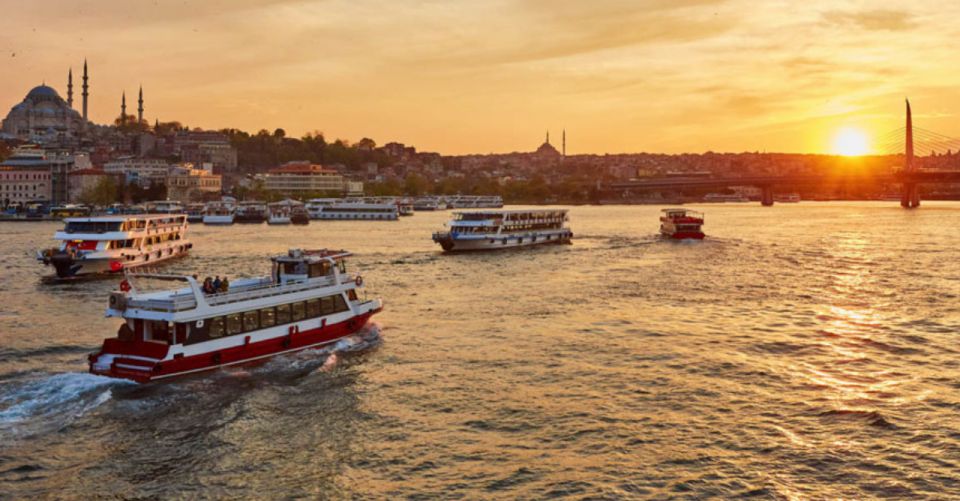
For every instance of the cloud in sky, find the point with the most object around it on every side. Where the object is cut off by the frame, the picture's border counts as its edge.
(458, 76)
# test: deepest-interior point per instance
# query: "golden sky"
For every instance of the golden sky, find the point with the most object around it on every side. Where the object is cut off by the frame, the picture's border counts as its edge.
(459, 76)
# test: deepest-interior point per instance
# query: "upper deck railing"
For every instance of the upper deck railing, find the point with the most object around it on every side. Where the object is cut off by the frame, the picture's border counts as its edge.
(263, 288)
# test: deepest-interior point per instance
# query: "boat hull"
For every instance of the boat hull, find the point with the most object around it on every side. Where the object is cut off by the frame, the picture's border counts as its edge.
(493, 242)
(145, 362)
(68, 266)
(683, 235)
(218, 220)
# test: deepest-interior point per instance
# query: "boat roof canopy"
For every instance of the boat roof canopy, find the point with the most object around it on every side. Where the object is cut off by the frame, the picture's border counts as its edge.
(311, 255)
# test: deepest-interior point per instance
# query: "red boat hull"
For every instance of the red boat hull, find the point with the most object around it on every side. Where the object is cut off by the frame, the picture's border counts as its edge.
(143, 361)
(687, 235)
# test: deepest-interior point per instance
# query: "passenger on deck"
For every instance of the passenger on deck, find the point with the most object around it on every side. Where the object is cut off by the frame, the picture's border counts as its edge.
(224, 285)
(216, 284)
(207, 286)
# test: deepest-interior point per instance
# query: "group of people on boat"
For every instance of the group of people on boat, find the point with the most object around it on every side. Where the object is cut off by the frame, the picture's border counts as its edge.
(216, 285)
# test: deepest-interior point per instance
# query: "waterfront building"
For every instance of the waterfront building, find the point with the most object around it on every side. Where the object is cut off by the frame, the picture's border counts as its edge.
(141, 171)
(200, 147)
(56, 165)
(186, 184)
(19, 186)
(294, 178)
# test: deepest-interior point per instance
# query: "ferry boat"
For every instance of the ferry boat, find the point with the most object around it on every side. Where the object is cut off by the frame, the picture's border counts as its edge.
(279, 213)
(298, 215)
(681, 224)
(164, 207)
(252, 212)
(787, 198)
(475, 202)
(221, 212)
(315, 206)
(724, 198)
(307, 301)
(195, 213)
(357, 210)
(486, 230)
(405, 208)
(429, 204)
(111, 244)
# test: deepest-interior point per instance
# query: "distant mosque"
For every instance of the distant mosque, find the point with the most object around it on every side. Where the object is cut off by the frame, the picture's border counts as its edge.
(547, 151)
(45, 117)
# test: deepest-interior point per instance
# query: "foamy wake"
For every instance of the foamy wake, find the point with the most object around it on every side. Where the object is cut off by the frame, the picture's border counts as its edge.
(57, 399)
(365, 338)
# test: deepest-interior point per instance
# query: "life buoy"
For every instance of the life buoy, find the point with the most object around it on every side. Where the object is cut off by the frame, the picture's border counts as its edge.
(358, 281)
(125, 286)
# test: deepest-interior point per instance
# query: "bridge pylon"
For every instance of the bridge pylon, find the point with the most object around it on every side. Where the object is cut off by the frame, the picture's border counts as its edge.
(766, 196)
(909, 196)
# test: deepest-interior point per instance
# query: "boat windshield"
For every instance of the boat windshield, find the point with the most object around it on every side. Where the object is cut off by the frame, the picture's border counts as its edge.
(93, 226)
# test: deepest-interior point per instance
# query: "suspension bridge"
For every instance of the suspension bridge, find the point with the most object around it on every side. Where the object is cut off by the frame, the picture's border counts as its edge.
(900, 145)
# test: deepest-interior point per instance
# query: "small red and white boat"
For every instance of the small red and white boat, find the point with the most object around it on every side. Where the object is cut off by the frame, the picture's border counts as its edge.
(308, 301)
(681, 224)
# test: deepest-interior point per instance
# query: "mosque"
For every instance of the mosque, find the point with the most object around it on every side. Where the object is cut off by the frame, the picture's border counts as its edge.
(46, 118)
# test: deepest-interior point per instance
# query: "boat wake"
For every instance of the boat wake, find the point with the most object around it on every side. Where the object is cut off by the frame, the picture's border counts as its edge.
(326, 358)
(52, 401)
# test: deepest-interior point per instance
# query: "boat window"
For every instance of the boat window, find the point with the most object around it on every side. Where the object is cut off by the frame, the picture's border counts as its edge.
(352, 294)
(316, 270)
(326, 305)
(339, 304)
(267, 317)
(180, 332)
(234, 324)
(216, 327)
(159, 330)
(251, 321)
(297, 311)
(283, 314)
(313, 308)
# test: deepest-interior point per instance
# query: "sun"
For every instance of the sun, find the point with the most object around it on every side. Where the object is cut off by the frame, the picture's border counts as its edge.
(850, 142)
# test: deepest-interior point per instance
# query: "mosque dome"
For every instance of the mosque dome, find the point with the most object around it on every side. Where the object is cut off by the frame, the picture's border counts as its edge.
(43, 93)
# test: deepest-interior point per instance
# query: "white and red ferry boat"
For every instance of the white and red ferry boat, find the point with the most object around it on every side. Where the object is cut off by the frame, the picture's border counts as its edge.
(681, 224)
(111, 244)
(309, 300)
(502, 229)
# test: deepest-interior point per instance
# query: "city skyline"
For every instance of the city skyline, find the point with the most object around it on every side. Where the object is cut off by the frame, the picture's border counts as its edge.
(670, 77)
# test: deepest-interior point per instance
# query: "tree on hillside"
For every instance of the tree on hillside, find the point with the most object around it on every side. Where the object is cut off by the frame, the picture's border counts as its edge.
(103, 194)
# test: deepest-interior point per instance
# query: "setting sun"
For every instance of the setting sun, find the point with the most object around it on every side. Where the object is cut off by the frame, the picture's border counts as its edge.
(850, 142)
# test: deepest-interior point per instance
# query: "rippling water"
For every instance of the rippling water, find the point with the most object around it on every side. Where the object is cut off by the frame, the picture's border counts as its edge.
(800, 351)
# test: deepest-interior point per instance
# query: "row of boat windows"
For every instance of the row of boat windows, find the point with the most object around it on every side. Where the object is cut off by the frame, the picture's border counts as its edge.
(239, 323)
(136, 242)
(361, 210)
(507, 228)
(108, 226)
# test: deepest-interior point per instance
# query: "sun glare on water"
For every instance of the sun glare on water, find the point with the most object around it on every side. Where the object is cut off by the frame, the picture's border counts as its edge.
(850, 142)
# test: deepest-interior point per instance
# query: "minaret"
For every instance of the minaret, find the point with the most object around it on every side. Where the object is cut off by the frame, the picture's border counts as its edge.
(70, 88)
(85, 93)
(140, 108)
(548, 137)
(123, 109)
(564, 148)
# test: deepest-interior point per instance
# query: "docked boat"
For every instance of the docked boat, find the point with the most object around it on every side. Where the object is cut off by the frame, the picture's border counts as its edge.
(725, 198)
(251, 212)
(315, 206)
(299, 215)
(475, 202)
(404, 208)
(220, 212)
(308, 300)
(429, 204)
(111, 244)
(486, 230)
(681, 224)
(787, 198)
(164, 207)
(356, 210)
(195, 213)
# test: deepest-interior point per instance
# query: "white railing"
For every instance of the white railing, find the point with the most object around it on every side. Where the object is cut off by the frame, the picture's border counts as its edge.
(266, 288)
